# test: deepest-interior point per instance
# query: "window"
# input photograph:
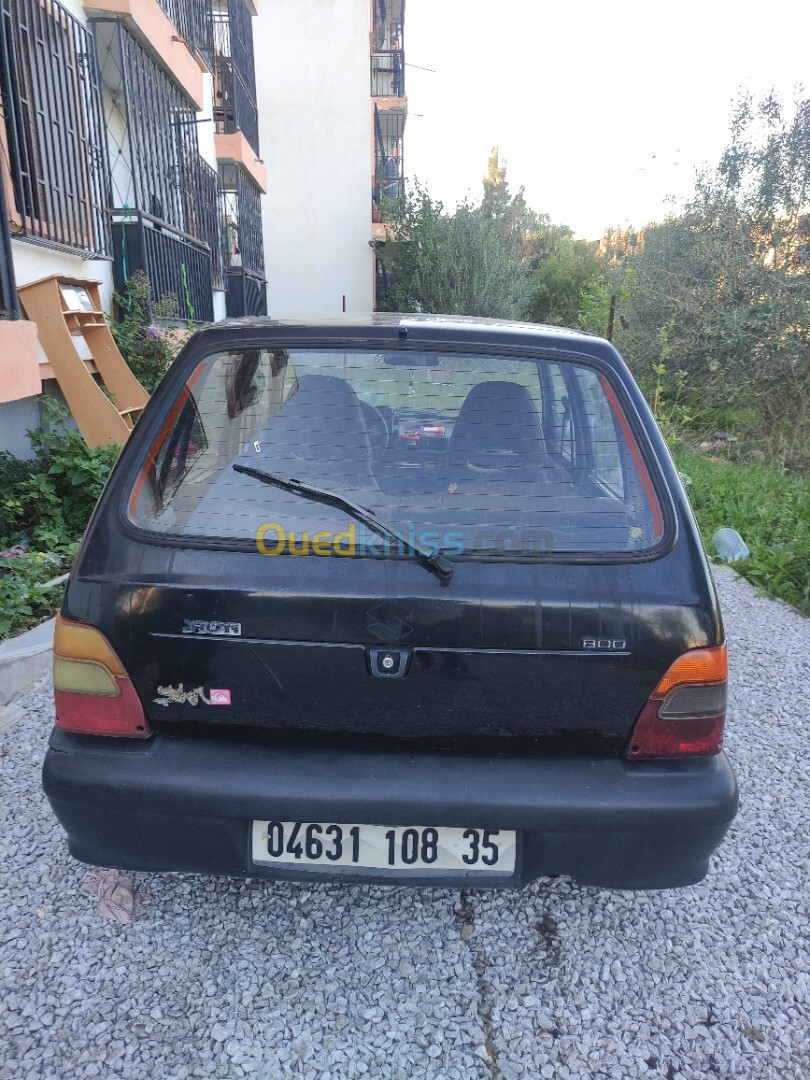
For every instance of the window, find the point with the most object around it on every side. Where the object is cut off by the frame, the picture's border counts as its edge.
(471, 454)
(53, 126)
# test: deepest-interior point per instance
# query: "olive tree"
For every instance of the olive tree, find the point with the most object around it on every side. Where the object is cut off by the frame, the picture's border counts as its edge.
(457, 263)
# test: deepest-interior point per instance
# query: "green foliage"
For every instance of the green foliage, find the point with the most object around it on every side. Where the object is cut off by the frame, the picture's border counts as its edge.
(145, 349)
(770, 510)
(23, 601)
(496, 258)
(48, 501)
(45, 505)
(567, 271)
(455, 264)
(729, 281)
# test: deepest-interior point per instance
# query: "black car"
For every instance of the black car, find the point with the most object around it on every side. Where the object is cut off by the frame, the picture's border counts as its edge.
(402, 599)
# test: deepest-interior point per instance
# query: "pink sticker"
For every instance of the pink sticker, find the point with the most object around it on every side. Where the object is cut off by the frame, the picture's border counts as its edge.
(220, 697)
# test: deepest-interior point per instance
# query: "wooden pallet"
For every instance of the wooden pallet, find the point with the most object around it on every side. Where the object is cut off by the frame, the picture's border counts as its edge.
(63, 307)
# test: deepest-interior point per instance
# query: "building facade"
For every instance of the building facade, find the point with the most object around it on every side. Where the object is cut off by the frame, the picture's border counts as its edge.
(129, 140)
(142, 135)
(332, 107)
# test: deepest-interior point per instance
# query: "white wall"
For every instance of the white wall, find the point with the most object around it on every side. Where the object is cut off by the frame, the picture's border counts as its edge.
(35, 261)
(312, 76)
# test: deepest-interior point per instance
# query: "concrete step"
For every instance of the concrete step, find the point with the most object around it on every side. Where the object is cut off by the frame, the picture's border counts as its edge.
(24, 661)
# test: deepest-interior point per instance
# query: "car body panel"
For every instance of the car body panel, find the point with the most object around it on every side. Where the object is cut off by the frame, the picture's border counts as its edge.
(531, 666)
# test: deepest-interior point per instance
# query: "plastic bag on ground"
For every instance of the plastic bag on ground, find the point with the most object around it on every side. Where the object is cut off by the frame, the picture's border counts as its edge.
(730, 545)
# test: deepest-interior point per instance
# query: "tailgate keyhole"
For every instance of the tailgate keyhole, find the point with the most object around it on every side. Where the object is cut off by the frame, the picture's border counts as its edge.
(389, 663)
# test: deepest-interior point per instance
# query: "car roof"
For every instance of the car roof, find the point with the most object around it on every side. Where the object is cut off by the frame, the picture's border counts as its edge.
(387, 326)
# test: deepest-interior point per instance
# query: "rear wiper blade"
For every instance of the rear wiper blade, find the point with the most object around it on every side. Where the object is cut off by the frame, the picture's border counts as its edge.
(429, 557)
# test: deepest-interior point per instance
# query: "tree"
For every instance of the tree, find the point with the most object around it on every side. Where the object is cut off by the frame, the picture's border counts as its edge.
(724, 288)
(497, 199)
(456, 264)
(565, 272)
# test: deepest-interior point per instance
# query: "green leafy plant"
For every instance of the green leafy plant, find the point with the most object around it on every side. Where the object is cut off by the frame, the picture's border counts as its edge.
(23, 600)
(45, 505)
(49, 501)
(769, 509)
(147, 348)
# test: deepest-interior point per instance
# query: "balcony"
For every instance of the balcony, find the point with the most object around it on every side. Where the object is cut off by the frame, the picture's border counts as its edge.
(57, 170)
(389, 175)
(167, 221)
(388, 74)
(176, 263)
(247, 294)
(234, 74)
(387, 53)
(244, 244)
(152, 23)
(193, 22)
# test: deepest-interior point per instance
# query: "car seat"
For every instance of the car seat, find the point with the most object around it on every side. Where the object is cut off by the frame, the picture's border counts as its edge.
(497, 431)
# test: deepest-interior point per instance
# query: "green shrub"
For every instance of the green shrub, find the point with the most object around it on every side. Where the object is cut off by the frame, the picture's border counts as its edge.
(47, 502)
(23, 601)
(142, 345)
(769, 509)
(45, 505)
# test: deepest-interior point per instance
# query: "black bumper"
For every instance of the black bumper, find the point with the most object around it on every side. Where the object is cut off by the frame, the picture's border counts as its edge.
(187, 805)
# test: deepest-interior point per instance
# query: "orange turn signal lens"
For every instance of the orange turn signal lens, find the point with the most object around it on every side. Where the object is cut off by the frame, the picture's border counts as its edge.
(686, 712)
(696, 666)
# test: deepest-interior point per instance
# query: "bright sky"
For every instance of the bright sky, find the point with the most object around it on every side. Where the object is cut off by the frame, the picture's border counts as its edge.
(602, 110)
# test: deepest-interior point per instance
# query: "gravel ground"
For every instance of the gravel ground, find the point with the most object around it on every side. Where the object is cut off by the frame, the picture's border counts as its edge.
(232, 979)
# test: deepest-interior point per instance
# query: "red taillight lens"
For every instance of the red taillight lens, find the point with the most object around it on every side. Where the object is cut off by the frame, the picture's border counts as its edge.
(91, 689)
(685, 714)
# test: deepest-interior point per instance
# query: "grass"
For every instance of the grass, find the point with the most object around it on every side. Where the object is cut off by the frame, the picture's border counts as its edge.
(770, 510)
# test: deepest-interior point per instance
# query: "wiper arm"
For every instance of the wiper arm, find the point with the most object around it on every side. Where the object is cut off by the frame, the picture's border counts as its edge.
(429, 557)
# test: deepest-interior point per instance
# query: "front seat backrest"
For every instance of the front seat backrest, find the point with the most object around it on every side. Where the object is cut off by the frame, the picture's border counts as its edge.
(320, 433)
(496, 424)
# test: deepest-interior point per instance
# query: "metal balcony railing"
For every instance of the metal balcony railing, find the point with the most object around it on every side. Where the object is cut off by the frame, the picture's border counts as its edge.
(388, 24)
(234, 73)
(247, 293)
(233, 37)
(388, 74)
(168, 221)
(389, 173)
(193, 22)
(54, 128)
(175, 263)
(241, 220)
(234, 108)
(157, 167)
(9, 301)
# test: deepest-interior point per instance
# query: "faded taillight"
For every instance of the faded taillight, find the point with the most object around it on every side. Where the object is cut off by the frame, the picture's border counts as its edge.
(92, 691)
(686, 712)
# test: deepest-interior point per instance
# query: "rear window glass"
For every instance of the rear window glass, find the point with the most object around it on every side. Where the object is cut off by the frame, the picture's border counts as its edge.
(466, 454)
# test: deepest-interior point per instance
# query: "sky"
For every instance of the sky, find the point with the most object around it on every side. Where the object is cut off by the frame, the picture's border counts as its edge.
(603, 111)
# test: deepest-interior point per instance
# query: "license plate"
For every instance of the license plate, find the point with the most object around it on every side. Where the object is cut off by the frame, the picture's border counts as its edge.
(383, 847)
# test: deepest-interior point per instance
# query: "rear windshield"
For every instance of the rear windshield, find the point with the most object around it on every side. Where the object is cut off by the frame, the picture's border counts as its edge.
(467, 454)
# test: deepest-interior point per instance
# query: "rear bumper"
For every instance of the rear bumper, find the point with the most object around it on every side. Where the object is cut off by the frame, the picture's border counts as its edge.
(174, 804)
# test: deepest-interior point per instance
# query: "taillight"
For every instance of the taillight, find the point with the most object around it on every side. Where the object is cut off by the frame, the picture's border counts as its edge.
(685, 714)
(92, 691)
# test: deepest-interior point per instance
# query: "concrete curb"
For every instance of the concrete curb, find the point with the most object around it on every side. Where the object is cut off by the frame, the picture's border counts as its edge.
(24, 661)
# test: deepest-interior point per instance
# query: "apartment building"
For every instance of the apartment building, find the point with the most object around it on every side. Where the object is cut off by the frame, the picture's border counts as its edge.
(332, 108)
(129, 140)
(142, 134)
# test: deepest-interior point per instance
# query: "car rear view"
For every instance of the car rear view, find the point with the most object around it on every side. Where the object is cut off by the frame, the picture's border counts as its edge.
(396, 599)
